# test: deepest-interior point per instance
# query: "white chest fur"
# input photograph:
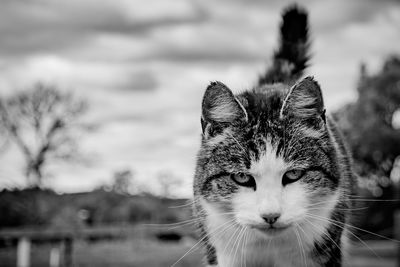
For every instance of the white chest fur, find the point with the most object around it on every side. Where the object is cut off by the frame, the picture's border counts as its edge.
(238, 247)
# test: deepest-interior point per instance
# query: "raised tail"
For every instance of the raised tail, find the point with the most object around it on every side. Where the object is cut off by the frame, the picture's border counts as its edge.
(292, 56)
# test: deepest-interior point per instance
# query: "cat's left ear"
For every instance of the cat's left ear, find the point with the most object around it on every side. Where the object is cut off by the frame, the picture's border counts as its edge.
(304, 101)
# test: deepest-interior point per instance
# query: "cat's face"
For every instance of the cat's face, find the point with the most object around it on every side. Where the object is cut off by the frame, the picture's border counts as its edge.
(267, 158)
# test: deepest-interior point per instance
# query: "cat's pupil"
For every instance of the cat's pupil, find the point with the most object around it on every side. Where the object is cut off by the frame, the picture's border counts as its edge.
(244, 180)
(291, 176)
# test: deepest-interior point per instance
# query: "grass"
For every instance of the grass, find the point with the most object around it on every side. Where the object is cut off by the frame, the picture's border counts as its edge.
(151, 253)
(144, 253)
(115, 254)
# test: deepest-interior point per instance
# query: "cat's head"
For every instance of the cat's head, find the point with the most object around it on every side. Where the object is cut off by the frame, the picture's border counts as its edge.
(267, 158)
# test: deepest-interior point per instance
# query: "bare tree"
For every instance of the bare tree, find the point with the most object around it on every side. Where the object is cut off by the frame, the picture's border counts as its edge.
(40, 122)
(168, 183)
(123, 181)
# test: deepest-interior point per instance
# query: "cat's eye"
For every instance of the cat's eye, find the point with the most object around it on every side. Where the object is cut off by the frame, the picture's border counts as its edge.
(291, 176)
(244, 179)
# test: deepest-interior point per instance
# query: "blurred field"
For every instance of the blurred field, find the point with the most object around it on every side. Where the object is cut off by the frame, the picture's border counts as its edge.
(130, 234)
(115, 254)
(373, 254)
(151, 253)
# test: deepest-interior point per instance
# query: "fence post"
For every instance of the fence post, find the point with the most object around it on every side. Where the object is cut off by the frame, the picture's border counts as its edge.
(23, 252)
(397, 234)
(68, 250)
(55, 256)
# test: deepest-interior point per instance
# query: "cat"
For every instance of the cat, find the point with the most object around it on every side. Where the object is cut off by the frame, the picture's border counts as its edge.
(273, 180)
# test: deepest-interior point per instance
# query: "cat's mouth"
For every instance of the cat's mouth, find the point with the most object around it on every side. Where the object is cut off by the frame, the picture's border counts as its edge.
(270, 229)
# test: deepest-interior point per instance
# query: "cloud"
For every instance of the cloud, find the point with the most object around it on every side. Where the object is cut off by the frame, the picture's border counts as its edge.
(345, 13)
(45, 25)
(145, 65)
(79, 75)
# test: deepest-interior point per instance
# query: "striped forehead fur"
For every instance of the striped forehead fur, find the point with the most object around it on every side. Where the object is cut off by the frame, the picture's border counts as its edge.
(270, 161)
(218, 139)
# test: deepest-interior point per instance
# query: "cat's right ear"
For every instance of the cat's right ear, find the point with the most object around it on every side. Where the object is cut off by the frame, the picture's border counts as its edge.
(304, 101)
(220, 107)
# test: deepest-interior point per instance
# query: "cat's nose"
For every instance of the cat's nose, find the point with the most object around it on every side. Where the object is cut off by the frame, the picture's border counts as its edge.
(271, 218)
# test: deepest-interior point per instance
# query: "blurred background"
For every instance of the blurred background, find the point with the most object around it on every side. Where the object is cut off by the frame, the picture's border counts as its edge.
(100, 119)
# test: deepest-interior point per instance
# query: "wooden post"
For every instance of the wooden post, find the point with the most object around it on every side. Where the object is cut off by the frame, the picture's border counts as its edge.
(55, 254)
(395, 178)
(23, 252)
(68, 250)
(397, 234)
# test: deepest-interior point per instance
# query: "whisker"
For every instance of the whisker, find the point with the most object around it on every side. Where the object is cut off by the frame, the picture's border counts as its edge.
(204, 237)
(305, 235)
(243, 246)
(230, 239)
(186, 222)
(340, 209)
(342, 227)
(354, 200)
(245, 254)
(174, 224)
(183, 205)
(240, 242)
(231, 249)
(327, 235)
(360, 229)
(300, 245)
(237, 243)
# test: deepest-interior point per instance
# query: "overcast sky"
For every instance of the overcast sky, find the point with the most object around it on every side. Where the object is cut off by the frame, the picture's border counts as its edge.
(144, 65)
